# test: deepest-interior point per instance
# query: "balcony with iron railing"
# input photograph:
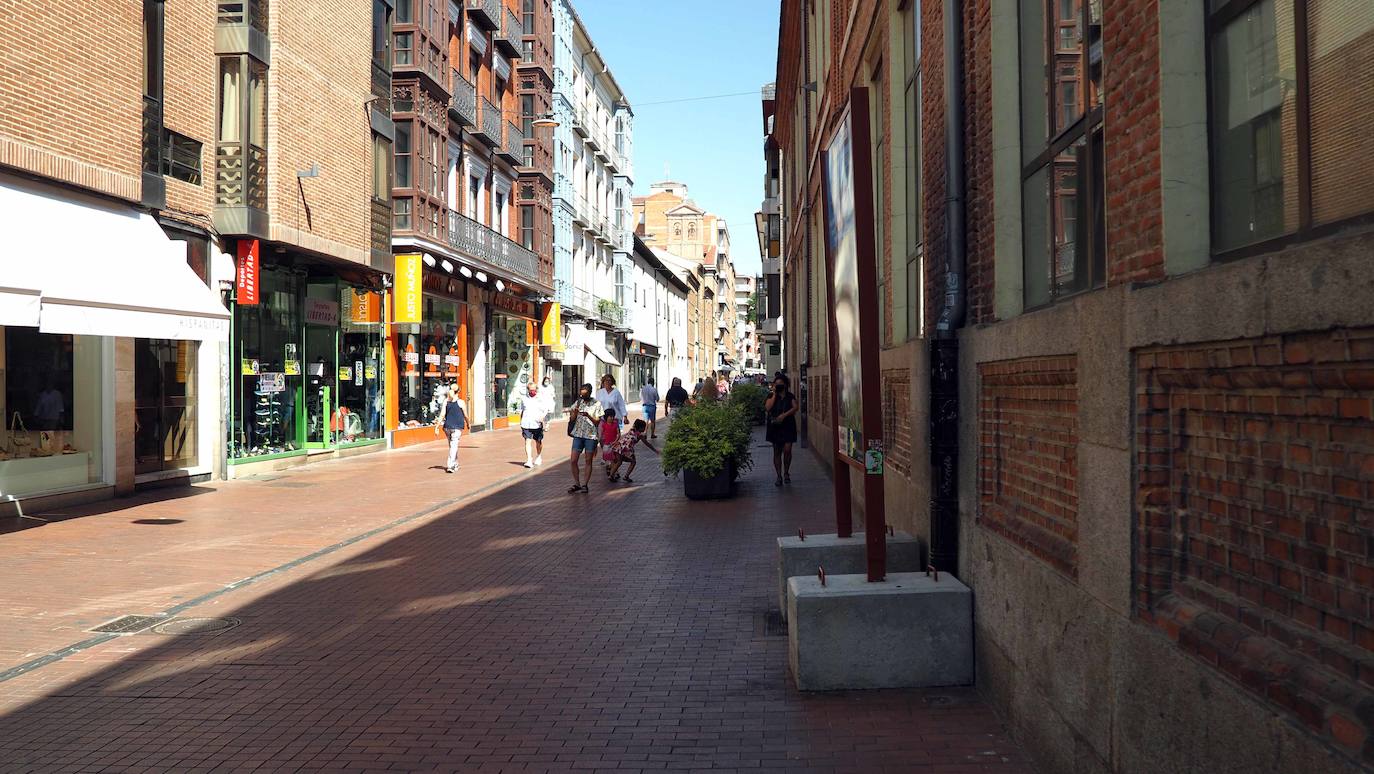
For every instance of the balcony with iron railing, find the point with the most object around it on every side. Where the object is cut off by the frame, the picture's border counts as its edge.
(477, 241)
(462, 103)
(489, 123)
(575, 300)
(507, 39)
(610, 312)
(485, 13)
(513, 145)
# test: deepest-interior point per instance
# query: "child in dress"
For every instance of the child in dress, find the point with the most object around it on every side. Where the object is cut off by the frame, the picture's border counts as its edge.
(610, 433)
(624, 450)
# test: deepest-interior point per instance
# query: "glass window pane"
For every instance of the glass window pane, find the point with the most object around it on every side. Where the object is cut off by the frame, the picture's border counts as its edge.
(403, 11)
(1068, 213)
(1254, 126)
(257, 104)
(1341, 69)
(230, 99)
(1035, 198)
(1034, 99)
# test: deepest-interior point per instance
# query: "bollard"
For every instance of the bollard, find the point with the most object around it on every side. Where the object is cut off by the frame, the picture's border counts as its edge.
(801, 534)
(820, 573)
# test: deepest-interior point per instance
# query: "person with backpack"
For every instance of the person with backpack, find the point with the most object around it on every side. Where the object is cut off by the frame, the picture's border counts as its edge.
(453, 420)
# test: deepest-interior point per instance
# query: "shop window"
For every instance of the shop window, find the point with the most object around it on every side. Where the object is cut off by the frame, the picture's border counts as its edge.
(360, 372)
(165, 405)
(268, 366)
(512, 362)
(1284, 125)
(1061, 135)
(51, 388)
(432, 357)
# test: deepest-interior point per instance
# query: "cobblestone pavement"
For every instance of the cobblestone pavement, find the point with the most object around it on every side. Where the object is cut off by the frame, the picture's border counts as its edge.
(395, 617)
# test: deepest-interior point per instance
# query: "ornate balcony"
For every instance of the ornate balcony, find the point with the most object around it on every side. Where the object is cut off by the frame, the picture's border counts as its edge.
(462, 105)
(507, 39)
(488, 127)
(479, 242)
(610, 312)
(485, 13)
(513, 147)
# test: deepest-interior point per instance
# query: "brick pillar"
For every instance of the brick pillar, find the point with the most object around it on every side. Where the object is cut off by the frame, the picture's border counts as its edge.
(124, 415)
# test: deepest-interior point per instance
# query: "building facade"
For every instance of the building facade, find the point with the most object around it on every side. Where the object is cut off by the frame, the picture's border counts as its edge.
(593, 176)
(746, 324)
(1136, 279)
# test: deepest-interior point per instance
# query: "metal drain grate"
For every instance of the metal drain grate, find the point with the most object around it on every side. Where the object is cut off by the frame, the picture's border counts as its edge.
(773, 625)
(202, 626)
(128, 624)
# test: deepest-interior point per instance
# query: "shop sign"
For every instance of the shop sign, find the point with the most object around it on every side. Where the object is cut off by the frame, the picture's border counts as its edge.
(246, 281)
(292, 367)
(345, 374)
(250, 367)
(508, 303)
(552, 331)
(409, 287)
(357, 373)
(321, 312)
(370, 370)
(272, 381)
(364, 306)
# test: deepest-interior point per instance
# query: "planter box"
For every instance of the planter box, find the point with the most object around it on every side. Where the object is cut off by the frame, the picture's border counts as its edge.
(716, 487)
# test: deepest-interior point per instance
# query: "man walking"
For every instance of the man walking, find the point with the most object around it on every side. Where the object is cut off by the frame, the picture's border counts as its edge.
(534, 411)
(648, 395)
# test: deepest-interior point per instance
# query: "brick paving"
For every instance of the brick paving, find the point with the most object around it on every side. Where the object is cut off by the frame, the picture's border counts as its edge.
(485, 621)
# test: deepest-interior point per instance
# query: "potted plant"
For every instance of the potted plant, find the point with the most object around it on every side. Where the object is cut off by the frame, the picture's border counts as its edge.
(750, 399)
(709, 444)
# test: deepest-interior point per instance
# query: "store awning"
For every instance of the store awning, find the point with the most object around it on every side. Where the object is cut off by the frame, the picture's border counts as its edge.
(594, 342)
(81, 265)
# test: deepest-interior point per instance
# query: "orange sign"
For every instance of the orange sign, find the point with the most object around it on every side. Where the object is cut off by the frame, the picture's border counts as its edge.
(246, 286)
(409, 288)
(366, 307)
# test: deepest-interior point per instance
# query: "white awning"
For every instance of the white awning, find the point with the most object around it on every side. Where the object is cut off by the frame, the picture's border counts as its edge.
(581, 339)
(80, 265)
(596, 344)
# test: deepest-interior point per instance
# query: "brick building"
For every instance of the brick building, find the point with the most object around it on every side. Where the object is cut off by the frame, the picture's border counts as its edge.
(1163, 371)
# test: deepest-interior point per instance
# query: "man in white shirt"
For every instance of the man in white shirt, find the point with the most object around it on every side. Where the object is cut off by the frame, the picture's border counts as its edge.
(648, 395)
(534, 410)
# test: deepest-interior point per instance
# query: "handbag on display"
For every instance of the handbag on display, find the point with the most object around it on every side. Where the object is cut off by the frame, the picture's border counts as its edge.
(18, 434)
(45, 445)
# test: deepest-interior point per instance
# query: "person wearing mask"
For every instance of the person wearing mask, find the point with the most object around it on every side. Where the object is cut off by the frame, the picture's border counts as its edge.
(453, 419)
(781, 410)
(610, 398)
(534, 412)
(584, 416)
(677, 396)
(648, 395)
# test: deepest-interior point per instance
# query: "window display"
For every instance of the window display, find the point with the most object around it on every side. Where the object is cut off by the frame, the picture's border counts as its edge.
(267, 360)
(51, 407)
(432, 356)
(361, 398)
(512, 362)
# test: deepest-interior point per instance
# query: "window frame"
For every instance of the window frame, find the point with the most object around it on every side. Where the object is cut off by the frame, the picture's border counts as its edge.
(912, 86)
(172, 144)
(1215, 22)
(1058, 139)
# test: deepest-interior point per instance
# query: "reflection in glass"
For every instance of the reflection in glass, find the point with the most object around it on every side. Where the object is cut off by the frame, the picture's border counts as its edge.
(165, 403)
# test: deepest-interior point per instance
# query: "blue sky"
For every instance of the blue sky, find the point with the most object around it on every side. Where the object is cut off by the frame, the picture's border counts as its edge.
(667, 50)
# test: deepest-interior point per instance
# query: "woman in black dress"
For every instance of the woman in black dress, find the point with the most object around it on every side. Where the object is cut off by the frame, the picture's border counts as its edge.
(781, 408)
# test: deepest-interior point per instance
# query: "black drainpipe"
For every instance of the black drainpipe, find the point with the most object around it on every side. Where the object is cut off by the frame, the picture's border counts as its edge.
(944, 345)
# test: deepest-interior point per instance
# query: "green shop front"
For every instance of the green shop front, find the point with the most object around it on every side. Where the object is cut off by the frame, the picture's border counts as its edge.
(308, 366)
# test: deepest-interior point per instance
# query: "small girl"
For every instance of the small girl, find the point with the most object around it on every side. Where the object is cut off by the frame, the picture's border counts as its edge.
(610, 433)
(624, 450)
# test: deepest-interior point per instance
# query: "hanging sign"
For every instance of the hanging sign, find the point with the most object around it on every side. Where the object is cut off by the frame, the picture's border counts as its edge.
(407, 292)
(364, 306)
(551, 328)
(246, 280)
(508, 303)
(272, 381)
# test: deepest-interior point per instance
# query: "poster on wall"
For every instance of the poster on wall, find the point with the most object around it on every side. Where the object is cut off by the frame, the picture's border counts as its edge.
(842, 245)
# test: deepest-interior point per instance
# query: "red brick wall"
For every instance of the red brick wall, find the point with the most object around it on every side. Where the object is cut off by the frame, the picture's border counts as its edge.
(897, 419)
(1255, 539)
(1028, 456)
(1135, 249)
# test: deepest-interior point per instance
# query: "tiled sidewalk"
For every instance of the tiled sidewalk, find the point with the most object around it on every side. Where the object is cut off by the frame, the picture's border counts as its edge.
(519, 629)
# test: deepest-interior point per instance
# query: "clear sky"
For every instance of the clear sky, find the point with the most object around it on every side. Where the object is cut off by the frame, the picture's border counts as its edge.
(662, 50)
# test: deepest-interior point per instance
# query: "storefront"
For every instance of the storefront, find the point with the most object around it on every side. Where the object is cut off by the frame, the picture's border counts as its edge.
(514, 349)
(75, 324)
(307, 354)
(430, 356)
(641, 365)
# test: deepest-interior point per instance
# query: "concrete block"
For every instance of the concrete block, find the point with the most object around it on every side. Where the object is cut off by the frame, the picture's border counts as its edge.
(839, 556)
(910, 631)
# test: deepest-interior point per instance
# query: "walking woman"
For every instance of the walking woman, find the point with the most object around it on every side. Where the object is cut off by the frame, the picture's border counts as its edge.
(611, 400)
(781, 409)
(583, 421)
(453, 420)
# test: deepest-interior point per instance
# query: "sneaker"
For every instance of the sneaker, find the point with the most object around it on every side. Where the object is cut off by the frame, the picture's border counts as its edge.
(539, 460)
(529, 464)
(448, 470)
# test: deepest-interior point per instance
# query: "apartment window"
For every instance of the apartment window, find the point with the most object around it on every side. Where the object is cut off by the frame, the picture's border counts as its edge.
(404, 155)
(1289, 118)
(474, 64)
(153, 32)
(474, 197)
(878, 136)
(527, 7)
(527, 114)
(381, 34)
(405, 11)
(180, 157)
(241, 150)
(498, 87)
(405, 48)
(381, 168)
(911, 138)
(620, 134)
(529, 154)
(401, 214)
(1061, 136)
(498, 215)
(527, 226)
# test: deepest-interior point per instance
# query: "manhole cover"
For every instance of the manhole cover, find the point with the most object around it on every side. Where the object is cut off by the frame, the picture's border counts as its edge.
(196, 626)
(128, 624)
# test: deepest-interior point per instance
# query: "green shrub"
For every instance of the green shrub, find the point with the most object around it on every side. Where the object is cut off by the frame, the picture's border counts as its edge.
(750, 399)
(705, 437)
